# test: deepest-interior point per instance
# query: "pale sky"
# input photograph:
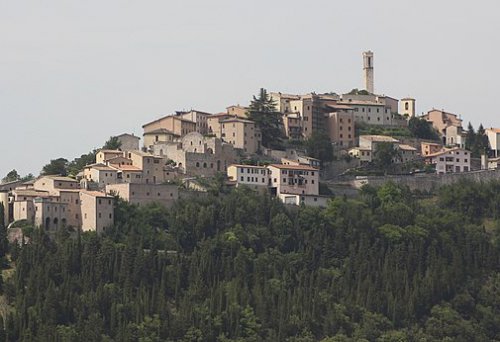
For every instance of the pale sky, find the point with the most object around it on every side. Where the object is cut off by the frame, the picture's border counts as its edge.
(73, 73)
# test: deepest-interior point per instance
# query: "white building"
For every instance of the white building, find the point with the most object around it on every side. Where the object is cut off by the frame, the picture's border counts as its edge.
(450, 160)
(493, 135)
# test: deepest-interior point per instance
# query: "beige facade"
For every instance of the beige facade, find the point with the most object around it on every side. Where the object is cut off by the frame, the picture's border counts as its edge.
(293, 126)
(197, 155)
(151, 166)
(128, 141)
(450, 160)
(368, 146)
(449, 126)
(53, 184)
(241, 134)
(160, 135)
(294, 179)
(408, 107)
(55, 202)
(340, 124)
(141, 194)
(172, 123)
(198, 117)
(238, 111)
(100, 174)
(309, 108)
(368, 71)
(214, 125)
(256, 177)
(96, 211)
(427, 148)
(104, 155)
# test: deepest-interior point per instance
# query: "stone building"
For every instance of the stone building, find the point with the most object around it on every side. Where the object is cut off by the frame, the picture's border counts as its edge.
(197, 155)
(54, 202)
(448, 125)
(128, 141)
(242, 134)
(340, 126)
(173, 123)
(141, 194)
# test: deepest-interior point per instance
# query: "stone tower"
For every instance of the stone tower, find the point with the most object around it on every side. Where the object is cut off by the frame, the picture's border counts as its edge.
(407, 107)
(368, 71)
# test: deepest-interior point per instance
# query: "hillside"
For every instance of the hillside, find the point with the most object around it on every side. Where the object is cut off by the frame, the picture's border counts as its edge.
(387, 266)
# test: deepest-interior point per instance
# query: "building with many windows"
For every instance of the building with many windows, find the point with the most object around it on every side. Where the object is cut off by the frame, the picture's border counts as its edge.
(452, 160)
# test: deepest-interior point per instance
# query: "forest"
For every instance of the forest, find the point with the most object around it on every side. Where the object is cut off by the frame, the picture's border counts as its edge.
(389, 265)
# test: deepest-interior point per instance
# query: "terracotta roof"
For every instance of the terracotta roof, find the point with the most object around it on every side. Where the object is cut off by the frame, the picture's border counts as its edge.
(160, 131)
(31, 193)
(60, 178)
(237, 120)
(126, 167)
(95, 193)
(294, 167)
(100, 167)
(173, 116)
(445, 151)
(250, 166)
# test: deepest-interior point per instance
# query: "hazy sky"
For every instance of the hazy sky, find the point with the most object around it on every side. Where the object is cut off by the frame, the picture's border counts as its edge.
(72, 73)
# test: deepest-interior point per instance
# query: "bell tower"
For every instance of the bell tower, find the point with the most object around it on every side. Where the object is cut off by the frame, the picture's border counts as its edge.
(368, 71)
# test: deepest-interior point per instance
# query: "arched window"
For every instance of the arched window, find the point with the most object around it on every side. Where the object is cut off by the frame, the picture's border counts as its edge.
(205, 165)
(197, 164)
(407, 105)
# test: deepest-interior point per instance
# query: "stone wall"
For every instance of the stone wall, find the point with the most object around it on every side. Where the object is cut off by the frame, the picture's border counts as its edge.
(428, 182)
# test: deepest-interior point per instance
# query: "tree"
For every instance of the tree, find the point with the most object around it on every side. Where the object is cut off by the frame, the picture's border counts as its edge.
(56, 167)
(113, 143)
(384, 155)
(477, 142)
(421, 128)
(77, 164)
(11, 177)
(263, 112)
(319, 146)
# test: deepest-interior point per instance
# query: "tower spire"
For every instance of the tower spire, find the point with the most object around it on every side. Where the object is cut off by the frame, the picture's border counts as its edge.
(368, 71)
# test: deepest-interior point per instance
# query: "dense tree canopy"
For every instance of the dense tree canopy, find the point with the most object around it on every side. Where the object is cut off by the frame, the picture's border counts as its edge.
(263, 112)
(319, 146)
(421, 128)
(390, 265)
(113, 143)
(56, 167)
(477, 142)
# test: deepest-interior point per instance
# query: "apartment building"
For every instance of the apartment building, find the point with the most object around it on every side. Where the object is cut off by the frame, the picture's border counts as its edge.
(254, 176)
(242, 134)
(340, 126)
(214, 125)
(294, 179)
(103, 156)
(96, 211)
(448, 125)
(452, 160)
(173, 123)
(372, 109)
(100, 174)
(151, 165)
(198, 117)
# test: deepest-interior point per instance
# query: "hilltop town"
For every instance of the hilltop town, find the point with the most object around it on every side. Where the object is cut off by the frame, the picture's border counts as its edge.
(301, 148)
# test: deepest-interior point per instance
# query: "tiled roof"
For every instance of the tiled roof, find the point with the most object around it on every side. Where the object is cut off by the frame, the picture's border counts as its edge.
(294, 167)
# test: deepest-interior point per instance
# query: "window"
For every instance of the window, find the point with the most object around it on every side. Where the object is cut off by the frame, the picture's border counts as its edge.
(110, 215)
(100, 215)
(99, 201)
(242, 178)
